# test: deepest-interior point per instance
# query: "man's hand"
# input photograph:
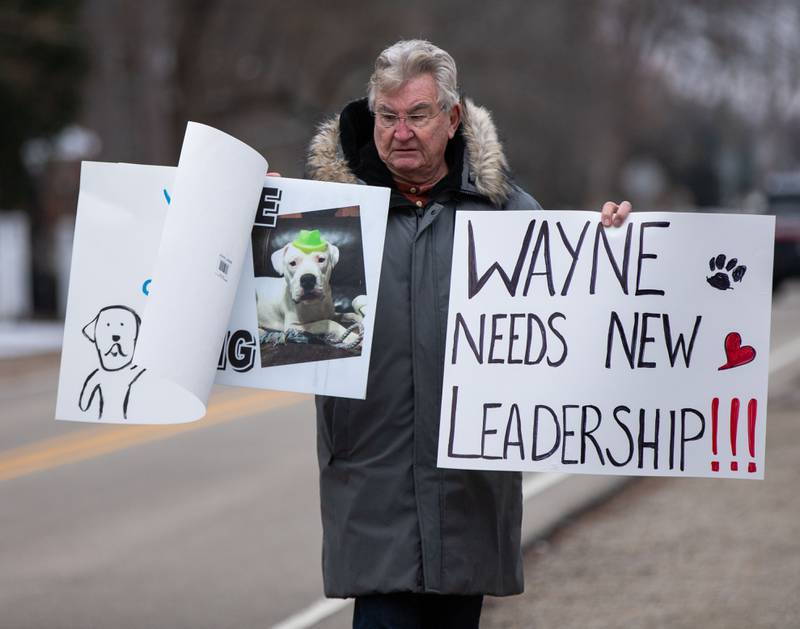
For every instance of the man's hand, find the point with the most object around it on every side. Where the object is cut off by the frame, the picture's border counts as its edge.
(613, 214)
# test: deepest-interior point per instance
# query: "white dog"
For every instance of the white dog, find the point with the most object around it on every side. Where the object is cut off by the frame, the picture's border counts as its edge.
(306, 302)
(114, 332)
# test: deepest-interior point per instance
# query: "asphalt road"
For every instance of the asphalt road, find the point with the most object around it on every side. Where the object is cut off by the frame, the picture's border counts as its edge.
(216, 524)
(213, 524)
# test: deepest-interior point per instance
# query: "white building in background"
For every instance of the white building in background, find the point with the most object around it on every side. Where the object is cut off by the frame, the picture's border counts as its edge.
(62, 250)
(16, 282)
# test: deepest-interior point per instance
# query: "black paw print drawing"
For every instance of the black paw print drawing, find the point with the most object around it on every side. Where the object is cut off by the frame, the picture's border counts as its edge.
(722, 278)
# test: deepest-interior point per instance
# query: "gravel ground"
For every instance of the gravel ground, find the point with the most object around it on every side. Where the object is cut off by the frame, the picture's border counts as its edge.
(676, 553)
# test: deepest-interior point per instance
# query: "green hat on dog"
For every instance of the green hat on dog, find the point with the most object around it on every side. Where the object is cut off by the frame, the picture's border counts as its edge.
(310, 240)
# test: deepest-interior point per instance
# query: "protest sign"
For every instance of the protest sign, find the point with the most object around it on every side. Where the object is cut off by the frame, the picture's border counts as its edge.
(639, 350)
(315, 278)
(166, 295)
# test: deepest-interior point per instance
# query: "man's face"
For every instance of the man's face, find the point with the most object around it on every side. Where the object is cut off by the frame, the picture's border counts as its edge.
(412, 154)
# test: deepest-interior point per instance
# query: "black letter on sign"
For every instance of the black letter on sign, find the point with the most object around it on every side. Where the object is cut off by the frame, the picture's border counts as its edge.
(514, 413)
(653, 445)
(268, 204)
(696, 436)
(611, 458)
(222, 363)
(566, 433)
(572, 252)
(542, 238)
(628, 348)
(557, 315)
(534, 454)
(642, 256)
(644, 340)
(681, 343)
(242, 350)
(495, 337)
(542, 335)
(475, 284)
(622, 275)
(470, 340)
(450, 449)
(513, 337)
(587, 434)
(485, 432)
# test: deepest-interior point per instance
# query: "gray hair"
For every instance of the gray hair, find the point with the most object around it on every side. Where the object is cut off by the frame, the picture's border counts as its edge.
(408, 59)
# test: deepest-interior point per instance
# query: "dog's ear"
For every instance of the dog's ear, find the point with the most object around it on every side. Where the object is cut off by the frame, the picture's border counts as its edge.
(88, 329)
(138, 321)
(277, 259)
(333, 252)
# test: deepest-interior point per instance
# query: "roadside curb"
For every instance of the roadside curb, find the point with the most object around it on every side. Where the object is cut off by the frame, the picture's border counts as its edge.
(551, 498)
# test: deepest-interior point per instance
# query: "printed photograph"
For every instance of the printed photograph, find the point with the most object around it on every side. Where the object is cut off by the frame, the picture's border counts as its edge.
(310, 288)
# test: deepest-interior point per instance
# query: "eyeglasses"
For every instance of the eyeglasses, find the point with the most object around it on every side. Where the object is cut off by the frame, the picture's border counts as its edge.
(417, 120)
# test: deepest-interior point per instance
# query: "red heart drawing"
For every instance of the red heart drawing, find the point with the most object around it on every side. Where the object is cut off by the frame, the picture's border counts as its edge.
(737, 353)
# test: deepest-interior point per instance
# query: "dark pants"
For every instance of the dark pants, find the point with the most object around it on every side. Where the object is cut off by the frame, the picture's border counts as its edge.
(417, 611)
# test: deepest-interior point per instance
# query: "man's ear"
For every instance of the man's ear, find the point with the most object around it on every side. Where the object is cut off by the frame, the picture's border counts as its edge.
(88, 329)
(455, 120)
(333, 253)
(277, 259)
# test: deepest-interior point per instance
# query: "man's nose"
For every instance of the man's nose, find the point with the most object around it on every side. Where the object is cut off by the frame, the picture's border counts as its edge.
(308, 281)
(115, 337)
(402, 131)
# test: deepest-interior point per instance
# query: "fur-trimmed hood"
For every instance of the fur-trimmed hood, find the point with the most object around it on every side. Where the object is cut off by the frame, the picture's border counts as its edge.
(485, 169)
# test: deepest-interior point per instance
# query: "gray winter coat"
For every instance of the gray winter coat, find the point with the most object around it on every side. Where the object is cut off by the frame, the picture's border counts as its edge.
(393, 521)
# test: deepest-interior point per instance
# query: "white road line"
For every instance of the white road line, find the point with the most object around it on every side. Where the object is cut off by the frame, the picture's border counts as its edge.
(531, 486)
(785, 355)
(314, 613)
(537, 483)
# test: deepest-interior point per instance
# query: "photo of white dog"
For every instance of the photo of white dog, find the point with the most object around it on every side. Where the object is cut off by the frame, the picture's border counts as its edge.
(306, 302)
(114, 332)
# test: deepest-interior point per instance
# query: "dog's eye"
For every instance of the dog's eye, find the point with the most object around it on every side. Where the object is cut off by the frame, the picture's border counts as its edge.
(293, 263)
(321, 259)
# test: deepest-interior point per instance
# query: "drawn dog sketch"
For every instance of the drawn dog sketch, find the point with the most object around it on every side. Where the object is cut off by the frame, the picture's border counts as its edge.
(114, 332)
(306, 302)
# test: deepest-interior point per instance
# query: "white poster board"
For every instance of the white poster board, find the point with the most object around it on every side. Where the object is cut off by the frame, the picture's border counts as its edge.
(640, 350)
(351, 222)
(166, 297)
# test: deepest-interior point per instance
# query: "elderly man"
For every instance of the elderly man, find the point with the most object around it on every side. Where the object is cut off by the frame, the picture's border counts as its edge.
(417, 546)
